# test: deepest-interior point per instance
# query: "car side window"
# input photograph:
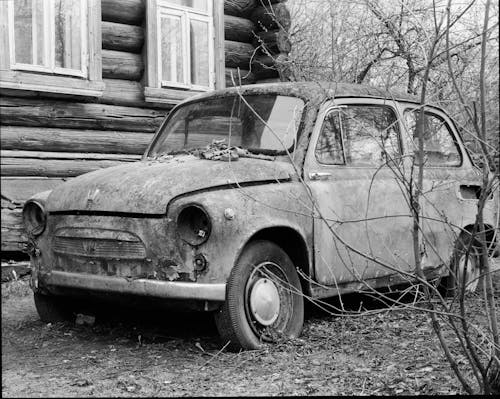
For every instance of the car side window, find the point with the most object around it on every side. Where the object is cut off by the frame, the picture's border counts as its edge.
(329, 149)
(440, 147)
(359, 135)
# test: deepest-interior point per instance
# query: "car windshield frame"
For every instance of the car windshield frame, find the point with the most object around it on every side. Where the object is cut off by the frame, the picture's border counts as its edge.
(164, 133)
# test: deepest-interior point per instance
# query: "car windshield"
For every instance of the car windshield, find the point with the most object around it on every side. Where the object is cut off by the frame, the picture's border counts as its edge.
(257, 123)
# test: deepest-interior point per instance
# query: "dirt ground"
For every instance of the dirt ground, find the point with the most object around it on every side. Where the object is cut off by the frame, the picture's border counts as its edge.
(130, 353)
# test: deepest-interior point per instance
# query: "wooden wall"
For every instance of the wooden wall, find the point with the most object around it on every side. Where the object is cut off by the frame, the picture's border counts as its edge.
(49, 138)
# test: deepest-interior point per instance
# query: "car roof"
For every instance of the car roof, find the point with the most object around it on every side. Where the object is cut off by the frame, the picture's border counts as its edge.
(314, 91)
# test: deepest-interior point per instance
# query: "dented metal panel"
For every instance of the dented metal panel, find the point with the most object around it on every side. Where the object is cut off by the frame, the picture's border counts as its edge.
(147, 187)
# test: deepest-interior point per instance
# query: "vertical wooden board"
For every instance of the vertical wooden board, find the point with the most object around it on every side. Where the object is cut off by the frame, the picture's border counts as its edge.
(4, 36)
(220, 81)
(151, 44)
(95, 40)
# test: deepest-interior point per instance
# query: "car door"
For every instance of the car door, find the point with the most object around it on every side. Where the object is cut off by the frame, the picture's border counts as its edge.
(451, 184)
(362, 225)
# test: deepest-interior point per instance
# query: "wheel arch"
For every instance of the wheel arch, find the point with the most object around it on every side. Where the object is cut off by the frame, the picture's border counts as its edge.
(295, 246)
(489, 230)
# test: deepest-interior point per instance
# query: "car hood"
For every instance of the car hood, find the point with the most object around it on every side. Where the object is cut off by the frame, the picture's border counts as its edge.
(146, 187)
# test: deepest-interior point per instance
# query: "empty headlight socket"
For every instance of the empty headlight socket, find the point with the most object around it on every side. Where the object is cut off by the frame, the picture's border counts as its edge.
(193, 224)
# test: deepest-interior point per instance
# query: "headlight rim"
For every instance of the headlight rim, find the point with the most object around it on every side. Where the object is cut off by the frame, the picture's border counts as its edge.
(193, 240)
(40, 227)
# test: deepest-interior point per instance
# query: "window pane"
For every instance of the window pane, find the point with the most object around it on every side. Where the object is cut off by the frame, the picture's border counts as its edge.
(329, 148)
(440, 148)
(68, 38)
(171, 50)
(196, 4)
(199, 53)
(371, 135)
(29, 34)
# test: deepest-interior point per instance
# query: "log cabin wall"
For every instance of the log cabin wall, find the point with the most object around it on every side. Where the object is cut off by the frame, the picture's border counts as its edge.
(47, 138)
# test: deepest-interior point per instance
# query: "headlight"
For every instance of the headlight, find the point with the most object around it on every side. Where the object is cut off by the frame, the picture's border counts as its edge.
(34, 218)
(193, 225)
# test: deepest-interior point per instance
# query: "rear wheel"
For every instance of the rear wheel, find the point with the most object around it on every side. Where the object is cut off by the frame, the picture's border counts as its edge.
(465, 267)
(263, 299)
(52, 309)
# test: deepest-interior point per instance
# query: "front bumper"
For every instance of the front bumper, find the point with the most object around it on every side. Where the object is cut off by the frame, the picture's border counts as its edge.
(141, 287)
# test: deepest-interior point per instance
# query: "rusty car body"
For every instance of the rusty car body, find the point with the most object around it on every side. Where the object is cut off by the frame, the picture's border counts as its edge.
(250, 199)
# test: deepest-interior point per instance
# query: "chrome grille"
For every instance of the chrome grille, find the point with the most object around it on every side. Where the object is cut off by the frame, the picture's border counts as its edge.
(108, 244)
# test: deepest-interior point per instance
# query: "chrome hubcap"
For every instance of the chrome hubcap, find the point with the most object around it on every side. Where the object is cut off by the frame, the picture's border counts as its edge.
(265, 301)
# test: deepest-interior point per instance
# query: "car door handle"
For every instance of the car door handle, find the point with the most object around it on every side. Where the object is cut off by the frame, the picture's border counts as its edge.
(319, 175)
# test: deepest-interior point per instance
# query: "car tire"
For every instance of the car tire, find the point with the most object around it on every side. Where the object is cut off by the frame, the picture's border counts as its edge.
(264, 301)
(52, 309)
(460, 269)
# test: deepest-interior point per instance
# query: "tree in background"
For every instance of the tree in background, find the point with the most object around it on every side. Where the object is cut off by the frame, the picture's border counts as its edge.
(385, 43)
(447, 54)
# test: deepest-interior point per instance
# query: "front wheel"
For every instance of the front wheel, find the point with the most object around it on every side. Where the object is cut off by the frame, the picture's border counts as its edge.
(263, 299)
(52, 309)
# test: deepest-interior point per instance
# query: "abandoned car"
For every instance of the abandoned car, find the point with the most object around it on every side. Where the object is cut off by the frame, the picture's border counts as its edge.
(250, 201)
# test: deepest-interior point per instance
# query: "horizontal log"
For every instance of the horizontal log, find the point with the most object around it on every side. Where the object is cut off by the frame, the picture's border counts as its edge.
(132, 94)
(20, 189)
(68, 155)
(240, 76)
(274, 16)
(51, 167)
(73, 140)
(64, 114)
(122, 37)
(13, 235)
(239, 8)
(238, 54)
(238, 29)
(265, 67)
(123, 11)
(122, 65)
(273, 41)
(116, 92)
(123, 92)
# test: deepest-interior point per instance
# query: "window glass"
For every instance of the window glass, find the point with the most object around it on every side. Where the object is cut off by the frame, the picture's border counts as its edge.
(371, 134)
(360, 135)
(329, 148)
(440, 148)
(199, 53)
(28, 32)
(196, 4)
(68, 34)
(171, 46)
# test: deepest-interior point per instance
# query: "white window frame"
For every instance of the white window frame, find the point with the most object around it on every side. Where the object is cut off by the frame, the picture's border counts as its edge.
(159, 91)
(49, 45)
(186, 14)
(34, 78)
